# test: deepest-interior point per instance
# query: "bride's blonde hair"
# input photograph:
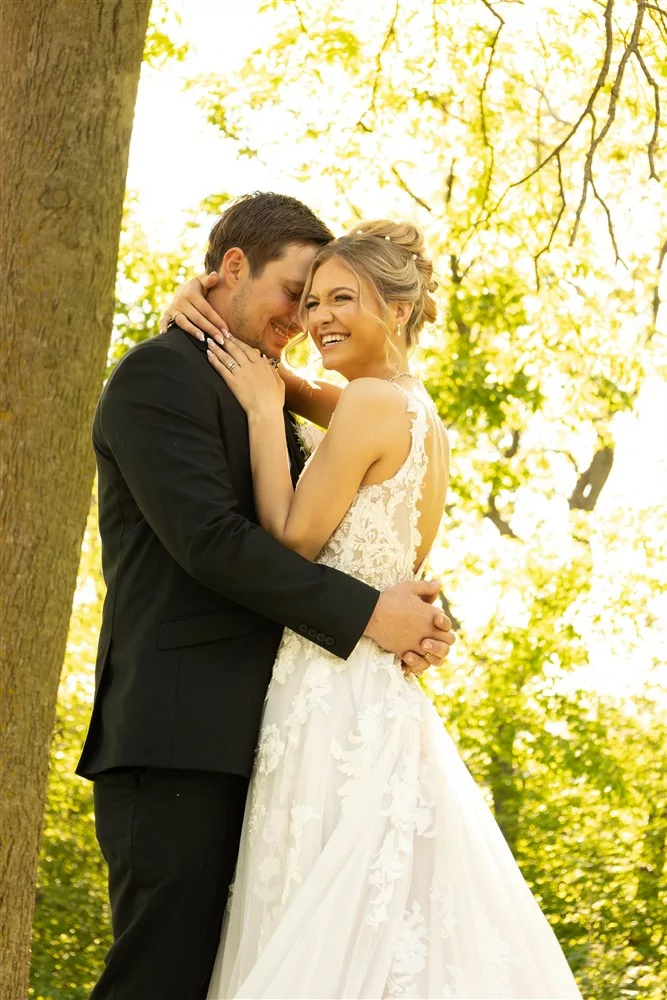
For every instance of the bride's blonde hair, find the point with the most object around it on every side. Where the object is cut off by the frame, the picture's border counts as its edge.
(391, 257)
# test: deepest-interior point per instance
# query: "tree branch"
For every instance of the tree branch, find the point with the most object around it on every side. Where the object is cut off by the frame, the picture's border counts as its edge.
(494, 517)
(514, 446)
(557, 150)
(482, 110)
(630, 49)
(591, 482)
(610, 224)
(391, 31)
(556, 222)
(656, 123)
(302, 24)
(450, 183)
(436, 34)
(599, 84)
(493, 11)
(660, 21)
(463, 328)
(568, 454)
(543, 96)
(447, 608)
(415, 197)
(343, 192)
(555, 153)
(656, 292)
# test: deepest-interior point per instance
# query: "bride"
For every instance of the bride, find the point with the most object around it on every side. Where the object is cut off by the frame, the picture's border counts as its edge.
(370, 864)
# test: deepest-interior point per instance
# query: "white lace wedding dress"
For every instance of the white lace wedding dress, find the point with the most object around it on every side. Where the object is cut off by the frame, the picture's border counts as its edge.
(370, 864)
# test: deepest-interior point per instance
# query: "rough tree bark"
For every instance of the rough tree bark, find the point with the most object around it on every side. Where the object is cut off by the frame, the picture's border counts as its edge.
(70, 74)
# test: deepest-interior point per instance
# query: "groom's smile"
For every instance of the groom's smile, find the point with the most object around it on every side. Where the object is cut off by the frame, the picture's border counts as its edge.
(264, 309)
(282, 335)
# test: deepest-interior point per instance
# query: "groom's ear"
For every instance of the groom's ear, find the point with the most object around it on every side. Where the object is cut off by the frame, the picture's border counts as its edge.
(234, 266)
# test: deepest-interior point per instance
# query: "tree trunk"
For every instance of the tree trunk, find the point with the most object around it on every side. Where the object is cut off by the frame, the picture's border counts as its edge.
(70, 74)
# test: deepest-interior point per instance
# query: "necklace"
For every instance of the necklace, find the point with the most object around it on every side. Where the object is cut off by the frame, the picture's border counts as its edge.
(403, 375)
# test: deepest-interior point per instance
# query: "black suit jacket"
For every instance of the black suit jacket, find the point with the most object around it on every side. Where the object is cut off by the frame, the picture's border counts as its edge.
(197, 592)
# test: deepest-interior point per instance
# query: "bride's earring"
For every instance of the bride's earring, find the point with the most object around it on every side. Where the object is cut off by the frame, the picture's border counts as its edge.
(398, 329)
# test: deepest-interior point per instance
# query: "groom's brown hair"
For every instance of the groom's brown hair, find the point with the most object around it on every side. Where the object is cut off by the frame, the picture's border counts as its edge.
(263, 224)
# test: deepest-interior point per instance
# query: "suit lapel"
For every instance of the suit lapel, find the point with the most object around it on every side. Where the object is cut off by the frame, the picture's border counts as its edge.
(296, 456)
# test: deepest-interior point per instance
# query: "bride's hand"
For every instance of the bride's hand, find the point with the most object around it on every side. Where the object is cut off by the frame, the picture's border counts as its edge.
(190, 310)
(255, 383)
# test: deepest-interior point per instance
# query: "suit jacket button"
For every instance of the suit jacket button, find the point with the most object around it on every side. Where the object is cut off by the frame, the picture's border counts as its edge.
(303, 629)
(330, 640)
(312, 633)
(320, 636)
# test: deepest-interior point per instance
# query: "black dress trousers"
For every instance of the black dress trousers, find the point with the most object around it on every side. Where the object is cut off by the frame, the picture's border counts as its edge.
(170, 839)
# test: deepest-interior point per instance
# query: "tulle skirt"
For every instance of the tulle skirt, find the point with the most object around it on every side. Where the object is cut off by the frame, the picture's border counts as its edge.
(370, 864)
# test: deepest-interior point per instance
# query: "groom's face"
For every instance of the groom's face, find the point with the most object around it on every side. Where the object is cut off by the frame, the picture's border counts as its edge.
(264, 309)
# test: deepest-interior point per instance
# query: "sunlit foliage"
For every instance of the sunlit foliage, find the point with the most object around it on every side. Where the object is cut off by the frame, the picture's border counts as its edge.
(524, 139)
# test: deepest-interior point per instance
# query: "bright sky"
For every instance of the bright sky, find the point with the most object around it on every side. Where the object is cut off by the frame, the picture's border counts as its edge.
(177, 159)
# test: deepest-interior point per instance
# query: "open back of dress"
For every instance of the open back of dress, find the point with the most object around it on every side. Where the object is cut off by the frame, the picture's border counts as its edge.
(379, 540)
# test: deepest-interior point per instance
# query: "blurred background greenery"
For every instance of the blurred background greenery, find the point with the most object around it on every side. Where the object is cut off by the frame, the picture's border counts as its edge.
(535, 165)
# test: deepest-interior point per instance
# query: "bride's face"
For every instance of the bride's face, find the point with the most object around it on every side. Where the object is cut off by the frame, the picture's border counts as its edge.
(346, 321)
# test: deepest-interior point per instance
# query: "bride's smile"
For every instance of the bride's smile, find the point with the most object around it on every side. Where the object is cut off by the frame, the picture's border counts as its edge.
(349, 325)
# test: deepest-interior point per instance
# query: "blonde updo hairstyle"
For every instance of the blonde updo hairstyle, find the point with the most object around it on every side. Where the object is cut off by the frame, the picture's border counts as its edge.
(390, 256)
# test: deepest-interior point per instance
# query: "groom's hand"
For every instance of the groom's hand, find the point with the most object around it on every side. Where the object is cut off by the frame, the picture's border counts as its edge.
(405, 623)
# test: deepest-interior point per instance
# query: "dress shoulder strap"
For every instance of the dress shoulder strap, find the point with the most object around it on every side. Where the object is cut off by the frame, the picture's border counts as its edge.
(413, 471)
(417, 409)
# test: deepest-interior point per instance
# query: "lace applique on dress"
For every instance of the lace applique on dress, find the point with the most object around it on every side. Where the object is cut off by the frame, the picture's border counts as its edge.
(370, 864)
(410, 955)
(378, 538)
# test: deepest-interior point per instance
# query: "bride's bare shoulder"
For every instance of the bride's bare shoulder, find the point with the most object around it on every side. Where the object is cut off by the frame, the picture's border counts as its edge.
(372, 409)
(370, 403)
(367, 392)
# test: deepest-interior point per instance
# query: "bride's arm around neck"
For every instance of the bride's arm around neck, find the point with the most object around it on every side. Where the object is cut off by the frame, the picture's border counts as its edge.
(313, 399)
(370, 425)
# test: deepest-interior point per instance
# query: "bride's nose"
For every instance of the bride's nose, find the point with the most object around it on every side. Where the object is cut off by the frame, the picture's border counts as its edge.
(321, 315)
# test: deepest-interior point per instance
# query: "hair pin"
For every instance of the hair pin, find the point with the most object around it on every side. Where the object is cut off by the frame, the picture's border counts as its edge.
(414, 256)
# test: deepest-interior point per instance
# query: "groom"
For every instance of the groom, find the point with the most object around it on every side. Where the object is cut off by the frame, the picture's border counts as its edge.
(197, 599)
